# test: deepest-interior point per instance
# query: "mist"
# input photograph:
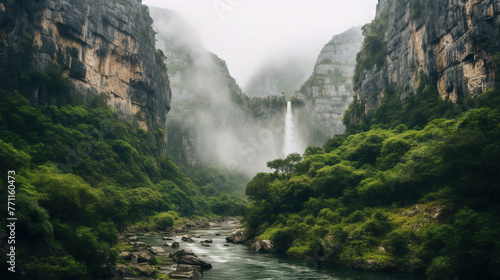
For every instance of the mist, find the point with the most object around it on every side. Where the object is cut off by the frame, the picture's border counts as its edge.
(212, 121)
(251, 32)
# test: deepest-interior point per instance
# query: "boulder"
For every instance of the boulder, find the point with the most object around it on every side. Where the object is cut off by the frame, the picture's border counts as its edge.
(207, 241)
(205, 244)
(180, 253)
(187, 238)
(145, 256)
(239, 235)
(157, 250)
(167, 238)
(188, 257)
(175, 245)
(145, 269)
(263, 246)
(194, 260)
(185, 271)
(123, 270)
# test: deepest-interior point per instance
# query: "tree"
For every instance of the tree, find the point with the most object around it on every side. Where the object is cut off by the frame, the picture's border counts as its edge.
(285, 166)
(258, 188)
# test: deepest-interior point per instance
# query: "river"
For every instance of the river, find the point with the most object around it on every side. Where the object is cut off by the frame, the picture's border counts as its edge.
(237, 262)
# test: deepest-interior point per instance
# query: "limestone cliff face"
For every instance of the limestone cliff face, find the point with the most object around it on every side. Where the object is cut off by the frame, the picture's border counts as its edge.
(452, 42)
(328, 91)
(101, 46)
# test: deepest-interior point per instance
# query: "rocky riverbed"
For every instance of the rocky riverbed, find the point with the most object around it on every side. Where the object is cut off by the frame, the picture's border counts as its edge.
(156, 254)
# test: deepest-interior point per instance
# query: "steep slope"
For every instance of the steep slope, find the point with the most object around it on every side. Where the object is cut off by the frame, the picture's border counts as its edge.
(102, 46)
(328, 91)
(451, 42)
(212, 121)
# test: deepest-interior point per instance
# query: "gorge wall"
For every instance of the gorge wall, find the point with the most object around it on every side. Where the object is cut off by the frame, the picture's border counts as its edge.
(328, 91)
(100, 46)
(451, 42)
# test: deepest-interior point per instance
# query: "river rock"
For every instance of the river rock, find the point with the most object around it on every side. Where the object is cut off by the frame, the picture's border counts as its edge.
(239, 235)
(167, 238)
(194, 260)
(185, 271)
(157, 250)
(188, 257)
(187, 238)
(145, 256)
(180, 253)
(138, 244)
(205, 244)
(145, 269)
(175, 245)
(263, 246)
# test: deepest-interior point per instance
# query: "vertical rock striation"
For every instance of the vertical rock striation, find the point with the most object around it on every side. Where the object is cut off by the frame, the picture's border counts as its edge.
(101, 46)
(452, 42)
(328, 92)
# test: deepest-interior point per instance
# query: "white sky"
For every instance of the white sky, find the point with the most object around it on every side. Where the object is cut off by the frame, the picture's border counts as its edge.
(246, 33)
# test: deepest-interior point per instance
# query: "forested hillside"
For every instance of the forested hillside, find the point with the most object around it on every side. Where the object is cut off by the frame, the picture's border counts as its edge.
(413, 183)
(82, 175)
(421, 200)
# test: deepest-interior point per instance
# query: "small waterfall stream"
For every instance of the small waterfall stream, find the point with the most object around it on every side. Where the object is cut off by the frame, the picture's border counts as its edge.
(290, 146)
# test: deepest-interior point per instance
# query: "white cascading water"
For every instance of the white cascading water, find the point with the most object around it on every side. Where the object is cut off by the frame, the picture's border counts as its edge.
(289, 146)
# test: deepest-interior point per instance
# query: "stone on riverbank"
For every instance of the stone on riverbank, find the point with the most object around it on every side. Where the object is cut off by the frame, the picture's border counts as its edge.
(263, 246)
(144, 256)
(157, 250)
(185, 271)
(175, 245)
(239, 235)
(188, 257)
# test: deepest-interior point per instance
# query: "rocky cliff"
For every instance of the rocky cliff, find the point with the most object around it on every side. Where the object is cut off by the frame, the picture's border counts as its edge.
(328, 91)
(99, 46)
(451, 42)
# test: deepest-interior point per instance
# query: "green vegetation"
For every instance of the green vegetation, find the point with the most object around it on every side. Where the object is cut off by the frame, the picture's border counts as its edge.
(374, 46)
(405, 190)
(83, 175)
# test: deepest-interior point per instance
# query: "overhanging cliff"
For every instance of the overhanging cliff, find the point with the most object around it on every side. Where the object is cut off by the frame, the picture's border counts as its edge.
(102, 47)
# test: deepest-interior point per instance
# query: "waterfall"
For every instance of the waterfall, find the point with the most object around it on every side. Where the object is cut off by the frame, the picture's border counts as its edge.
(289, 146)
